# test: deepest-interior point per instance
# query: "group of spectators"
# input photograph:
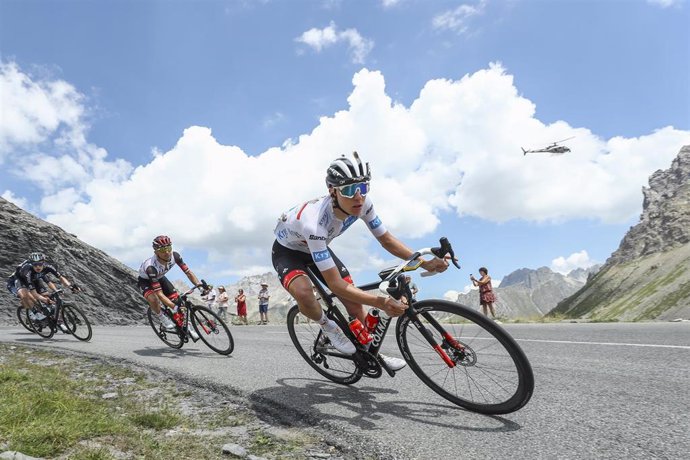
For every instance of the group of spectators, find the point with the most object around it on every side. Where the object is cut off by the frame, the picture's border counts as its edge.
(220, 302)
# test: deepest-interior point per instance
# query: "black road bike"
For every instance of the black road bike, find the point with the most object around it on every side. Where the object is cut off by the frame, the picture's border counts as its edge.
(459, 353)
(210, 328)
(59, 313)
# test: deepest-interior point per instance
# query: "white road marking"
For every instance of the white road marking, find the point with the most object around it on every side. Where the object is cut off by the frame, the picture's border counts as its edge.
(619, 344)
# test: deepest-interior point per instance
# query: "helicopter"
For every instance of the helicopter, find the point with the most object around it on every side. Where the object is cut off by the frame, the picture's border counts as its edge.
(553, 149)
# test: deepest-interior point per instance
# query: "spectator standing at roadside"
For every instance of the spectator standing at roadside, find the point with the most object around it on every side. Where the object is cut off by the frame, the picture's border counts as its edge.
(486, 292)
(222, 301)
(241, 301)
(263, 303)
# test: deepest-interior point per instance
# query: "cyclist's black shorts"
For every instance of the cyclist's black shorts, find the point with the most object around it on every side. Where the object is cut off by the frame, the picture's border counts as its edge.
(149, 286)
(14, 284)
(289, 264)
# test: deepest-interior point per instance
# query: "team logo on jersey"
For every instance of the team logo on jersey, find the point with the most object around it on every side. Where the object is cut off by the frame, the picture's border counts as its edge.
(316, 237)
(321, 255)
(369, 210)
(375, 223)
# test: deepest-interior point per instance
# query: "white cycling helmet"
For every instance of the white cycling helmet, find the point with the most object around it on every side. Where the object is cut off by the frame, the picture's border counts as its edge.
(342, 171)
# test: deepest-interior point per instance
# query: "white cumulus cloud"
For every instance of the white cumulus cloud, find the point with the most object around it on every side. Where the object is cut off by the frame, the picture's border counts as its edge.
(456, 148)
(319, 39)
(565, 265)
(459, 18)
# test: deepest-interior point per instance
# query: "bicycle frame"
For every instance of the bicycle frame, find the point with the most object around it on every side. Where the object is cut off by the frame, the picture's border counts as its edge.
(395, 285)
(185, 307)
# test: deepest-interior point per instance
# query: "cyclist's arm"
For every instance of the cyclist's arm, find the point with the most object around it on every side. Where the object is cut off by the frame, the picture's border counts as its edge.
(64, 282)
(183, 266)
(397, 248)
(342, 288)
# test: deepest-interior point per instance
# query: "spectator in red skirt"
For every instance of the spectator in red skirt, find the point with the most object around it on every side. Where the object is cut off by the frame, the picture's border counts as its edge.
(486, 292)
(241, 300)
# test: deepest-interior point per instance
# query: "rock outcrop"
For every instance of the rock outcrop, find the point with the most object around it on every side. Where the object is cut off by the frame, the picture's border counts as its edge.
(109, 292)
(648, 277)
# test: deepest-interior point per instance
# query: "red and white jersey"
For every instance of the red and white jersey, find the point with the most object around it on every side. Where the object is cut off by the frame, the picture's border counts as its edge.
(153, 269)
(311, 226)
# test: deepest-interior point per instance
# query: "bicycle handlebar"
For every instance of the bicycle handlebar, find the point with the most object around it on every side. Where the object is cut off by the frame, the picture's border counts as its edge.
(445, 249)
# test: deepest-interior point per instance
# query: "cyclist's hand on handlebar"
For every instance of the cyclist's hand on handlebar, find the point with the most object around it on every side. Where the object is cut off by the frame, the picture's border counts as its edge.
(393, 307)
(436, 265)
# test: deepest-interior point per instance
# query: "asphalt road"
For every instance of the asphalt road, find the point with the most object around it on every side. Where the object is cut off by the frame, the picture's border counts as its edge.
(602, 391)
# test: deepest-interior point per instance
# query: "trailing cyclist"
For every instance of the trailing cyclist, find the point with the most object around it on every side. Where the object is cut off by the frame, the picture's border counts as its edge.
(302, 237)
(28, 283)
(156, 288)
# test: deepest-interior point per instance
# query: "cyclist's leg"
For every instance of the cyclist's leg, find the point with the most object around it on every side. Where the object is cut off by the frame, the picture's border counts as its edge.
(168, 289)
(150, 295)
(26, 298)
(291, 267)
(354, 309)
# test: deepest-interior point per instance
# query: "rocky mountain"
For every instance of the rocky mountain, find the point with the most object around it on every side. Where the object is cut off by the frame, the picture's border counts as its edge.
(530, 294)
(109, 296)
(648, 276)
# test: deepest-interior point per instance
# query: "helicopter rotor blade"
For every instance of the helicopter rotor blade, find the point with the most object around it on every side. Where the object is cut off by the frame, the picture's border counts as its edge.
(572, 137)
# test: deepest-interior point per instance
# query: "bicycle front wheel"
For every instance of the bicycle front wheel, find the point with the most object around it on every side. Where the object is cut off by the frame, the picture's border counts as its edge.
(171, 339)
(486, 372)
(212, 330)
(23, 317)
(77, 322)
(307, 337)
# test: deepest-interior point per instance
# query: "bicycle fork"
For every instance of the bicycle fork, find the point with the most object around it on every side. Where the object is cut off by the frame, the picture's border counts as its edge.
(447, 338)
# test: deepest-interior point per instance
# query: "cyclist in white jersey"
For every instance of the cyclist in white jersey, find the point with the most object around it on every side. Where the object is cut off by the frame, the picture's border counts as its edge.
(155, 287)
(302, 237)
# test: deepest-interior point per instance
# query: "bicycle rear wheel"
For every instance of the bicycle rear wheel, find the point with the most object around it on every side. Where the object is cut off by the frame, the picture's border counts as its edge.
(212, 330)
(491, 374)
(307, 337)
(77, 322)
(172, 339)
(43, 327)
(23, 317)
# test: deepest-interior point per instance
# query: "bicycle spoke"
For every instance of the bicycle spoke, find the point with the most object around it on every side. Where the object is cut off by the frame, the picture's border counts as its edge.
(304, 334)
(212, 330)
(490, 375)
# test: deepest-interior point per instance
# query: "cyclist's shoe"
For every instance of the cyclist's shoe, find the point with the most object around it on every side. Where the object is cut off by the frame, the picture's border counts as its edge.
(36, 315)
(166, 323)
(337, 338)
(394, 364)
(63, 327)
(191, 333)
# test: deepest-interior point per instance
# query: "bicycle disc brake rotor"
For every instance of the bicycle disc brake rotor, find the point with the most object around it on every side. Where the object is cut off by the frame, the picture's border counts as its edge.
(464, 356)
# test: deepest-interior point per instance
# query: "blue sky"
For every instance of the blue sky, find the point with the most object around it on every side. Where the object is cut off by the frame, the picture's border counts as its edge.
(117, 115)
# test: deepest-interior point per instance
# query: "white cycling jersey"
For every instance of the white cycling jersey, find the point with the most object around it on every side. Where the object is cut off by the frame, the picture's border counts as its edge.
(153, 269)
(311, 226)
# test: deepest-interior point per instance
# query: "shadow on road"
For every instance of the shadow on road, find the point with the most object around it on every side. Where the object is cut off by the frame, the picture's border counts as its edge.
(55, 338)
(167, 352)
(296, 402)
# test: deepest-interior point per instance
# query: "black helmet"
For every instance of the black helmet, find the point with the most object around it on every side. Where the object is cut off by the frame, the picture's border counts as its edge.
(37, 258)
(160, 241)
(343, 172)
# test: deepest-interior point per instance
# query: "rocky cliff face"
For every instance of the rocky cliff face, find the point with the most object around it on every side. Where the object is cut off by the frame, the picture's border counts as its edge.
(648, 277)
(530, 294)
(109, 292)
(665, 220)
